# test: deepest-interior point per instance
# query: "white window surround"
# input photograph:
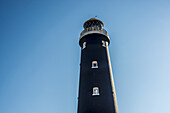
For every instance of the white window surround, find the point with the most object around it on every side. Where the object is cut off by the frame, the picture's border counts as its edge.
(94, 64)
(95, 91)
(107, 43)
(84, 45)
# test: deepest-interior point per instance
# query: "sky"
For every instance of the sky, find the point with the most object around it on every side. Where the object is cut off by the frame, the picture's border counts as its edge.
(40, 55)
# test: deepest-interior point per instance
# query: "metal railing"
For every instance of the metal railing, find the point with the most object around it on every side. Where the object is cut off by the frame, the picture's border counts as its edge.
(94, 28)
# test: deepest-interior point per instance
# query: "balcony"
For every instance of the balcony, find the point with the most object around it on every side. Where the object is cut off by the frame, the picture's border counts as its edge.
(92, 30)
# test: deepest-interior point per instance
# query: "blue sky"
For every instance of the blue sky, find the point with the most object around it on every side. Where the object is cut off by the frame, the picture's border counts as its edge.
(40, 55)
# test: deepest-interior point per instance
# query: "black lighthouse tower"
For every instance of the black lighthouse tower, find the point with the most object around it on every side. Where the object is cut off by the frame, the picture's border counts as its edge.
(96, 85)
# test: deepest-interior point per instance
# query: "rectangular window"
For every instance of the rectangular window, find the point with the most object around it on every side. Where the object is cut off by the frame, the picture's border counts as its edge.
(84, 45)
(94, 64)
(95, 91)
(103, 43)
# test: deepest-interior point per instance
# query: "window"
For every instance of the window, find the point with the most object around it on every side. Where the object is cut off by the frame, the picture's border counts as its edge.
(95, 91)
(103, 43)
(94, 64)
(84, 45)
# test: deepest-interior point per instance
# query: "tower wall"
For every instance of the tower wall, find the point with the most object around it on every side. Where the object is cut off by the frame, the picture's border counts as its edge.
(96, 50)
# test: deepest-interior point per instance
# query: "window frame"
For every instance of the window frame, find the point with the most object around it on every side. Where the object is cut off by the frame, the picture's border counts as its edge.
(84, 45)
(94, 64)
(95, 91)
(103, 43)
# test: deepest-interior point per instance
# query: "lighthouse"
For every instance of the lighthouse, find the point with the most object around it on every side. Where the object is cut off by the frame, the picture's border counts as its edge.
(96, 85)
